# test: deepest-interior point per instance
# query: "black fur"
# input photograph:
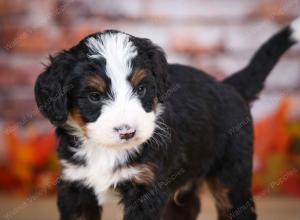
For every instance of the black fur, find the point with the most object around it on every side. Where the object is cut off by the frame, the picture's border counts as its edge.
(204, 118)
(52, 86)
(77, 202)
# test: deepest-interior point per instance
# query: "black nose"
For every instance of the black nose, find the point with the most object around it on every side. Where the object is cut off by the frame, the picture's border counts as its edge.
(125, 132)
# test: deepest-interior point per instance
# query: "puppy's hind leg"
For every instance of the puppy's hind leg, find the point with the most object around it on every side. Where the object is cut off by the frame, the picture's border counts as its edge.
(184, 204)
(231, 181)
(232, 203)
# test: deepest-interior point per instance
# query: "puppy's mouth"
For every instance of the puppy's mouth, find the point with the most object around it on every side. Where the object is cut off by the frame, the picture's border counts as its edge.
(118, 143)
(124, 144)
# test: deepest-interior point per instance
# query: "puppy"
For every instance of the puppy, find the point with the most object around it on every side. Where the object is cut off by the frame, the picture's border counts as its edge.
(130, 122)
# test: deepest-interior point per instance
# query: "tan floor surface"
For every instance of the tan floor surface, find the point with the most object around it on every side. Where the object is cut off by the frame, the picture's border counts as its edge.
(11, 208)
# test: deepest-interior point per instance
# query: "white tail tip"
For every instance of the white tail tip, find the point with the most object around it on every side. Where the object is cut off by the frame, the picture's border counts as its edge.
(295, 26)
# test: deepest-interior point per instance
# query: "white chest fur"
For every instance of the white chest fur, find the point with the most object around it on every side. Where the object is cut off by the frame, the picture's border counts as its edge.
(99, 171)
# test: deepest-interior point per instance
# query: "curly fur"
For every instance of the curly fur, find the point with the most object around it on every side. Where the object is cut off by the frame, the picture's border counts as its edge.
(186, 122)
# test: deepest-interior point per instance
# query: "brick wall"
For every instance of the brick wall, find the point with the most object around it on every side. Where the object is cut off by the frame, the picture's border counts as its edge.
(218, 36)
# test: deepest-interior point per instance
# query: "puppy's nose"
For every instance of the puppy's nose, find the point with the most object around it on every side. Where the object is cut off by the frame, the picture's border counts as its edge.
(125, 131)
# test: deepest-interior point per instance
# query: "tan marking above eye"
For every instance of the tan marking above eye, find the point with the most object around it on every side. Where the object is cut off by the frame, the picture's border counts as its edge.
(97, 83)
(138, 76)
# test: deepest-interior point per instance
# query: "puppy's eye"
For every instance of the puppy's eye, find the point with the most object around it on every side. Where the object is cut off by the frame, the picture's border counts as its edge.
(141, 91)
(94, 97)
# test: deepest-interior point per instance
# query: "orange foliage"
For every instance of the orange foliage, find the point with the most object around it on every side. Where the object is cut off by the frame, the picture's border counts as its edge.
(273, 167)
(28, 160)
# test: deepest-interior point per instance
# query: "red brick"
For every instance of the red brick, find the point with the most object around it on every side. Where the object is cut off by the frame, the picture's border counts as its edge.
(20, 7)
(193, 40)
(205, 10)
(105, 9)
(212, 68)
(277, 10)
(193, 47)
(13, 7)
(25, 39)
(18, 72)
(285, 76)
(18, 104)
(192, 10)
(69, 36)
(68, 12)
(248, 36)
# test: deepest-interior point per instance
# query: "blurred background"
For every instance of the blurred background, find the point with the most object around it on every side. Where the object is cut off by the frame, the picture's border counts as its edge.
(216, 36)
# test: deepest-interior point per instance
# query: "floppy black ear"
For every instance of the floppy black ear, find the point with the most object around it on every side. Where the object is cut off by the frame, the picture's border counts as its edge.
(158, 63)
(52, 86)
(159, 69)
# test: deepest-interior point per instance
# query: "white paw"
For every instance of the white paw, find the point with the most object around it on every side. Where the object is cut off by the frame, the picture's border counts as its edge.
(295, 26)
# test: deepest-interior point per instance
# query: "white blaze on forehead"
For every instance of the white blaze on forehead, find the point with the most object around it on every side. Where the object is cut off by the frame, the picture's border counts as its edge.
(124, 107)
(118, 52)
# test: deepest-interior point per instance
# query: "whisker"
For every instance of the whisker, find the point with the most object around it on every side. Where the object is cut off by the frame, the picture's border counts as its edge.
(161, 135)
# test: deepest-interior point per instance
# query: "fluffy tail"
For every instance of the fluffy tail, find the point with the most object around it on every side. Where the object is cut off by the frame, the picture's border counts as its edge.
(250, 80)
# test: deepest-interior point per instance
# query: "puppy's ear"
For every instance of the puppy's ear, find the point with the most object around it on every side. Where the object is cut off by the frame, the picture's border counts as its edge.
(159, 65)
(160, 69)
(52, 86)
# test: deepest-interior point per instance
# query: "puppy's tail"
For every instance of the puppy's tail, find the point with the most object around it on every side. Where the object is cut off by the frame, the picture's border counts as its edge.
(250, 80)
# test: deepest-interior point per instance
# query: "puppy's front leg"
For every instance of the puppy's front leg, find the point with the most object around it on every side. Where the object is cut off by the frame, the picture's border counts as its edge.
(76, 202)
(144, 202)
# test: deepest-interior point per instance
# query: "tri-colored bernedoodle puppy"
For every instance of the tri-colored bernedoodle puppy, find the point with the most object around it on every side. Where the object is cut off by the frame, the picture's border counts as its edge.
(150, 131)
